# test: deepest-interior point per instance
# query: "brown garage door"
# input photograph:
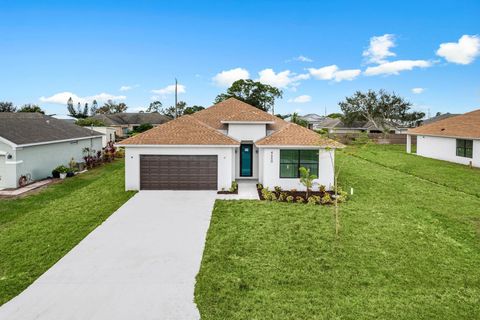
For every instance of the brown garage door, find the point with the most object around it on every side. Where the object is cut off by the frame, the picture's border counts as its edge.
(162, 172)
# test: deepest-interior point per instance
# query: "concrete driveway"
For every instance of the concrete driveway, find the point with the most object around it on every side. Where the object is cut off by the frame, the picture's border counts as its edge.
(140, 263)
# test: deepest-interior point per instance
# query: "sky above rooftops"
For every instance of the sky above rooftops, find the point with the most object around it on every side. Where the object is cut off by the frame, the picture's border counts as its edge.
(317, 52)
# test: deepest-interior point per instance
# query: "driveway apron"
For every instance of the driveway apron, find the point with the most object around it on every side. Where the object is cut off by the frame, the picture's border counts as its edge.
(140, 263)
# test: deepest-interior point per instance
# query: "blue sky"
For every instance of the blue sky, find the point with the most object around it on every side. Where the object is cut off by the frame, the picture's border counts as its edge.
(132, 51)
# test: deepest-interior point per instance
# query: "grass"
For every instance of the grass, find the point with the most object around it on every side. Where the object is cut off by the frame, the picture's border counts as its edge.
(38, 230)
(409, 248)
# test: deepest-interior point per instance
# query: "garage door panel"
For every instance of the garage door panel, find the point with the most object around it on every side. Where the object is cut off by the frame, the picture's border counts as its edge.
(178, 172)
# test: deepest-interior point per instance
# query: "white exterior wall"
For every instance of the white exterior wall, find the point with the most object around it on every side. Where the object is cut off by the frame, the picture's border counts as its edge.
(270, 170)
(8, 167)
(247, 132)
(444, 148)
(109, 134)
(225, 162)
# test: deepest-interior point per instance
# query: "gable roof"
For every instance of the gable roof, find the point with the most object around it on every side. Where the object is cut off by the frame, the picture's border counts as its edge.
(125, 118)
(250, 116)
(463, 126)
(214, 115)
(295, 135)
(24, 128)
(439, 117)
(185, 130)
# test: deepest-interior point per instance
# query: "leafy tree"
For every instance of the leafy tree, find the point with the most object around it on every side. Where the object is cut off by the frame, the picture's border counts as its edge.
(155, 106)
(335, 115)
(6, 106)
(192, 109)
(142, 128)
(87, 122)
(31, 108)
(295, 118)
(283, 116)
(383, 109)
(111, 107)
(252, 92)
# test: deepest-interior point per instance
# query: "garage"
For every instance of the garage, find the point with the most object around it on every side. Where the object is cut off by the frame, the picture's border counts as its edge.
(178, 172)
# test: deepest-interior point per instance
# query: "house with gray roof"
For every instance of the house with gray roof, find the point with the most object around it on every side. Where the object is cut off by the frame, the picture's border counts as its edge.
(35, 144)
(125, 122)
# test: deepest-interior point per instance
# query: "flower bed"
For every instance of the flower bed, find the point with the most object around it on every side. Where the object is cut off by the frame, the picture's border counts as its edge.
(233, 189)
(320, 196)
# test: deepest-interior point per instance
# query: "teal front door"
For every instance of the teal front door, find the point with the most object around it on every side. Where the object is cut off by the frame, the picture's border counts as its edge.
(246, 160)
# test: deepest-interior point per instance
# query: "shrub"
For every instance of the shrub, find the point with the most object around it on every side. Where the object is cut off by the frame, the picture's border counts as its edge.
(313, 200)
(120, 153)
(281, 197)
(277, 189)
(273, 197)
(88, 122)
(265, 193)
(234, 186)
(326, 199)
(61, 169)
(259, 186)
(322, 188)
(361, 138)
(341, 195)
(289, 199)
(299, 200)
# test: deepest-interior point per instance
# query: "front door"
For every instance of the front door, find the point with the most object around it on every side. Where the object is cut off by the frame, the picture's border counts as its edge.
(246, 160)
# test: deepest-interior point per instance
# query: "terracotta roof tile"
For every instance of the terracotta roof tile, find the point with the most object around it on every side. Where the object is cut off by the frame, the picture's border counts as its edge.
(463, 126)
(295, 135)
(185, 130)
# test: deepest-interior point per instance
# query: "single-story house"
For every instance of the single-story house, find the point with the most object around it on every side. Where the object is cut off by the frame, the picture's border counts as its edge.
(35, 144)
(439, 117)
(336, 125)
(125, 122)
(454, 139)
(108, 134)
(229, 141)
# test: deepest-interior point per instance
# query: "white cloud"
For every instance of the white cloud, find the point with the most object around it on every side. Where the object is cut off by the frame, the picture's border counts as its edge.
(170, 90)
(333, 73)
(283, 79)
(379, 48)
(128, 88)
(395, 67)
(462, 52)
(227, 77)
(302, 59)
(62, 98)
(301, 99)
(418, 90)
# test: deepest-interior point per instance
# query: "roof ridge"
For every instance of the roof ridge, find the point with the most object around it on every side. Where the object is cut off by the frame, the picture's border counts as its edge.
(209, 127)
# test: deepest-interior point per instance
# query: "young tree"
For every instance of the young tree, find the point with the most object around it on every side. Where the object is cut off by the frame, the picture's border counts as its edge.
(31, 108)
(383, 109)
(6, 106)
(306, 179)
(78, 113)
(254, 93)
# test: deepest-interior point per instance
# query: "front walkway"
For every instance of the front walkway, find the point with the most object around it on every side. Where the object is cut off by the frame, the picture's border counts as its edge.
(140, 263)
(247, 189)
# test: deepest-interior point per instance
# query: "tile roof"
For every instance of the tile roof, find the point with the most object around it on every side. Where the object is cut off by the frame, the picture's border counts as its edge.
(125, 118)
(185, 130)
(295, 135)
(27, 128)
(463, 126)
(214, 115)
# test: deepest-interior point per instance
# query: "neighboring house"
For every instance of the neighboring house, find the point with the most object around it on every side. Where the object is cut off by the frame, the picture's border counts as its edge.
(439, 117)
(33, 143)
(228, 141)
(336, 125)
(108, 132)
(126, 122)
(454, 139)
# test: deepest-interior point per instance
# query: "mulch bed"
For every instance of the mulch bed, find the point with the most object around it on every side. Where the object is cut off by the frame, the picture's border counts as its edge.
(296, 194)
(228, 192)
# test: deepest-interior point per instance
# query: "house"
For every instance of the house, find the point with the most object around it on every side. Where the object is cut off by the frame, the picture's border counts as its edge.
(337, 125)
(454, 139)
(108, 134)
(126, 122)
(34, 144)
(229, 141)
(439, 117)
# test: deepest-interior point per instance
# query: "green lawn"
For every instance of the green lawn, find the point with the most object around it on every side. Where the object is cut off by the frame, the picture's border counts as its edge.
(36, 231)
(409, 247)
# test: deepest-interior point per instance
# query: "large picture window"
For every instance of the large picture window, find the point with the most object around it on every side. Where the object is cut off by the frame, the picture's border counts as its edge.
(464, 148)
(292, 160)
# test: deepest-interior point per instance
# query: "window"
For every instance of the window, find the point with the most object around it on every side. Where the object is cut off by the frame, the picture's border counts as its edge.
(464, 148)
(292, 160)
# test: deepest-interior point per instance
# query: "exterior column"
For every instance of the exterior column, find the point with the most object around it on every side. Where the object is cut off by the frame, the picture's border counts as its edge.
(409, 143)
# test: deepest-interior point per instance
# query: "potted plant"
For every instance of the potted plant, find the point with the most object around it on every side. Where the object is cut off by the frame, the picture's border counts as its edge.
(62, 170)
